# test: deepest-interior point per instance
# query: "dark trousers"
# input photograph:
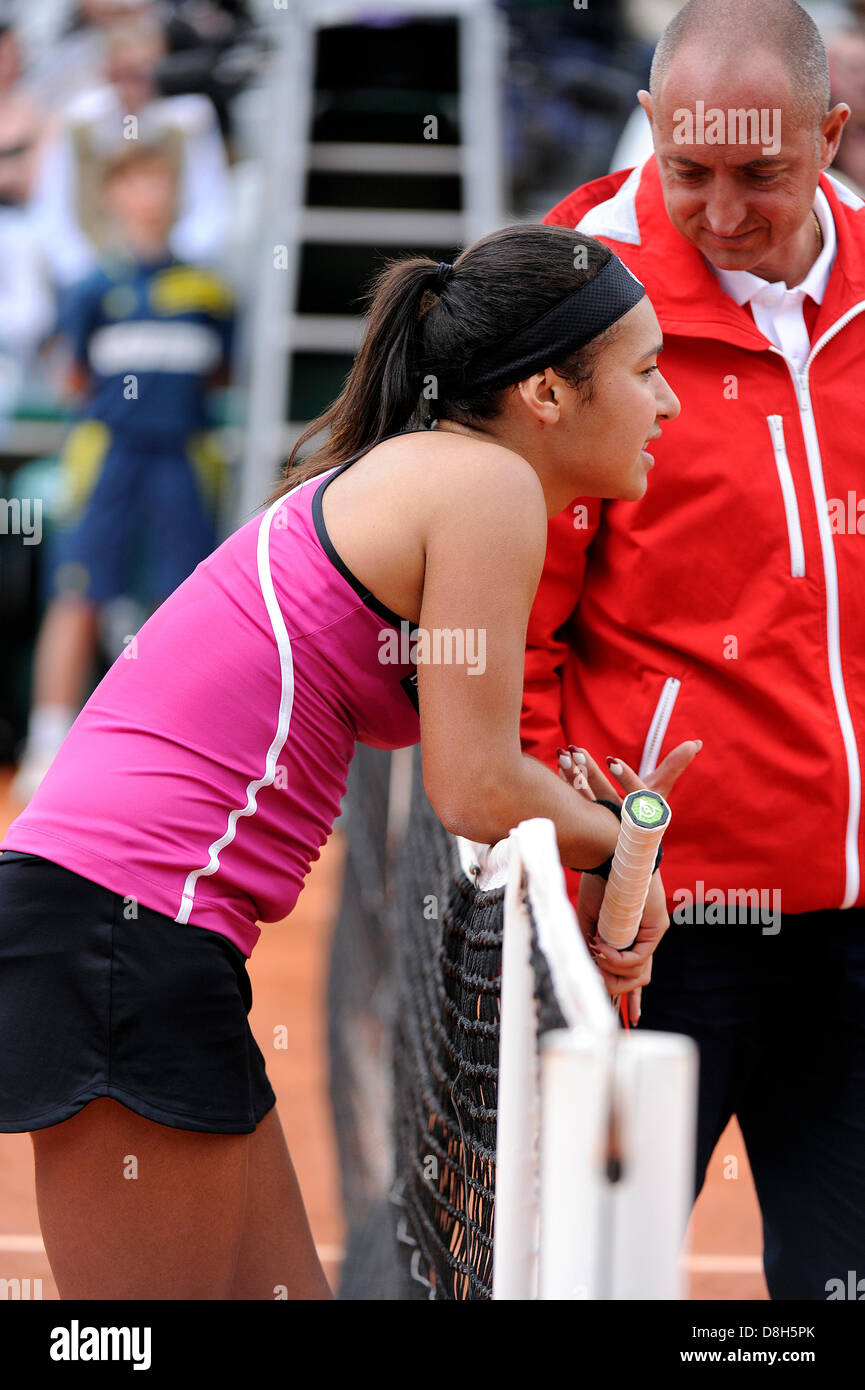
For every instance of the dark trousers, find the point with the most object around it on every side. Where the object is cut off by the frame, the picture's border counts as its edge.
(780, 1023)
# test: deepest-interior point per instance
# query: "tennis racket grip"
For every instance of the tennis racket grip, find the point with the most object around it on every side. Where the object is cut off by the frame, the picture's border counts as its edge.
(645, 817)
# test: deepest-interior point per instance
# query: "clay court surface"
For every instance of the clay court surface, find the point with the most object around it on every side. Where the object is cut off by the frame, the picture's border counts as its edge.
(288, 971)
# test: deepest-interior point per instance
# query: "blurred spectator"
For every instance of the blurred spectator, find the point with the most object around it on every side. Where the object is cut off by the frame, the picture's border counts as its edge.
(26, 308)
(832, 15)
(68, 216)
(141, 479)
(847, 71)
(66, 43)
(649, 18)
(569, 85)
(22, 125)
(212, 48)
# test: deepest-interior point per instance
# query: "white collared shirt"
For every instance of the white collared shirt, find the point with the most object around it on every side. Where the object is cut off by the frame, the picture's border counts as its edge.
(777, 310)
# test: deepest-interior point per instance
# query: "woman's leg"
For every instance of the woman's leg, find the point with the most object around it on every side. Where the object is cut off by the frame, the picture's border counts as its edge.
(63, 658)
(64, 652)
(277, 1256)
(134, 1209)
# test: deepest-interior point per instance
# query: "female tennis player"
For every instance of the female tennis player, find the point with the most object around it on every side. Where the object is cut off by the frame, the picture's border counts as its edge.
(204, 774)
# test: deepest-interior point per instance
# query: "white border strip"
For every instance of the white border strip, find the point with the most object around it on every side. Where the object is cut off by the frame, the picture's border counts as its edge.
(286, 703)
(486, 866)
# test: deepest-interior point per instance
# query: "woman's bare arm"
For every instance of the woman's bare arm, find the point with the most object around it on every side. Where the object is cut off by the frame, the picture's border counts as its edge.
(485, 542)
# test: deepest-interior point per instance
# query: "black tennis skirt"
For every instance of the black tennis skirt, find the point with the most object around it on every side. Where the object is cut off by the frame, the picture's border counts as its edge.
(103, 997)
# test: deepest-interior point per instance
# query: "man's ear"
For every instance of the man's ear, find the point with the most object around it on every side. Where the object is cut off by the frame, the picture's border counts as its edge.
(645, 100)
(830, 132)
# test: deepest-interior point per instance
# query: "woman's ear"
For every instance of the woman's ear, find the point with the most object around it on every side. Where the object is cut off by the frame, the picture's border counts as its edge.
(541, 394)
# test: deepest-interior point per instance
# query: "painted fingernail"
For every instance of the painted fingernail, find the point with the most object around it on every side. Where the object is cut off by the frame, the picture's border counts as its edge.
(577, 754)
(615, 766)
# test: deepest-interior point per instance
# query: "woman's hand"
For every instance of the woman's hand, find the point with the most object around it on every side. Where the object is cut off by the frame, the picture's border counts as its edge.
(624, 972)
(665, 776)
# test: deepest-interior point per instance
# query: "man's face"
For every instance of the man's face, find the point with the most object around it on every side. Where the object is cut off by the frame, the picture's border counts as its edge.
(742, 208)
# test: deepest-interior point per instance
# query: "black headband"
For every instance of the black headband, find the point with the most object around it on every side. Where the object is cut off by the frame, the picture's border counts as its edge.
(569, 325)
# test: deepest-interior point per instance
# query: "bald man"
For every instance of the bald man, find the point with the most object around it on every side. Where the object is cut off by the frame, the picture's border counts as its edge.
(728, 605)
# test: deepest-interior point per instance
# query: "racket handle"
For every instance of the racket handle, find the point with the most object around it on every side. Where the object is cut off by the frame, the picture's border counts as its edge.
(645, 817)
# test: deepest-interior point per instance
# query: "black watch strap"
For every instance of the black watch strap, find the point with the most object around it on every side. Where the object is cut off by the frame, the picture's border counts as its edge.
(603, 870)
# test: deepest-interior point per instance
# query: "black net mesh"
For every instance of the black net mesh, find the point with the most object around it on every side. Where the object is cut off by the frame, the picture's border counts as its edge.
(414, 1035)
(446, 1060)
(448, 944)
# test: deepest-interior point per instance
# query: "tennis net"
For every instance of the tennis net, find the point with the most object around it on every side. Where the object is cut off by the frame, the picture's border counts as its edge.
(448, 972)
(431, 1233)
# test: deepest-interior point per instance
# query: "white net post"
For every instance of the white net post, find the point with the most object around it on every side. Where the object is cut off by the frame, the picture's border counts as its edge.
(532, 851)
(595, 1157)
(657, 1090)
(574, 1095)
(625, 1108)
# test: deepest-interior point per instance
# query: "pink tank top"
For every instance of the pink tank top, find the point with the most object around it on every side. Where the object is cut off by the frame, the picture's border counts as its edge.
(206, 770)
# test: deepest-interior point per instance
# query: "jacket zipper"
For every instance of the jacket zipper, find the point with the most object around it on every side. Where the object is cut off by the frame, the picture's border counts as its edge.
(830, 570)
(788, 490)
(658, 727)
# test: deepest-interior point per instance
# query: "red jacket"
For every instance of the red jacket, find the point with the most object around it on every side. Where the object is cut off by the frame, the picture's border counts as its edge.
(728, 604)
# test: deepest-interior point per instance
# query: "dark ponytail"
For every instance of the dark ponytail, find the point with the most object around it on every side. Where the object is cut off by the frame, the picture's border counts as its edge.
(422, 334)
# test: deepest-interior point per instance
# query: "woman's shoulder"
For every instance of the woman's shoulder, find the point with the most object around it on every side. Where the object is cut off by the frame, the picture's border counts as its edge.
(457, 492)
(448, 464)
